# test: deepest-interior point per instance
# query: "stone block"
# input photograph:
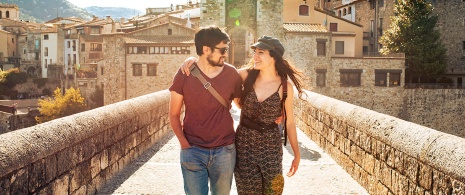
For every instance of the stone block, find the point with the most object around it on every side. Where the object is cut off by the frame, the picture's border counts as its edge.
(88, 149)
(80, 176)
(81, 191)
(60, 185)
(19, 182)
(390, 156)
(441, 183)
(369, 163)
(36, 175)
(458, 187)
(381, 189)
(95, 166)
(385, 175)
(51, 168)
(64, 161)
(399, 161)
(425, 176)
(5, 185)
(411, 169)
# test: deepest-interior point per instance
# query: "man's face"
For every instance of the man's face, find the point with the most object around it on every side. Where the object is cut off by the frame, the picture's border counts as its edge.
(218, 55)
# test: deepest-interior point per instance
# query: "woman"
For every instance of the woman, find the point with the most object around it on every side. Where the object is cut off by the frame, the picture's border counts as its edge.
(259, 152)
(258, 141)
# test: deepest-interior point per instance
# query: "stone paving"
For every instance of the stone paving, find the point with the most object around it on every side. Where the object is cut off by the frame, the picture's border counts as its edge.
(158, 172)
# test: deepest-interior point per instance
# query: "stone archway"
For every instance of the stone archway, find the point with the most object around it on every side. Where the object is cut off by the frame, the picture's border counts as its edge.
(241, 39)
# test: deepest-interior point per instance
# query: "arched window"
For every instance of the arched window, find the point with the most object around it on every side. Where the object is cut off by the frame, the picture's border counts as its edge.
(349, 10)
(7, 14)
(1, 15)
(339, 13)
(303, 10)
(344, 12)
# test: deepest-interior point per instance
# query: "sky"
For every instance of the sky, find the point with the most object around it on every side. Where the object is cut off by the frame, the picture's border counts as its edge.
(134, 4)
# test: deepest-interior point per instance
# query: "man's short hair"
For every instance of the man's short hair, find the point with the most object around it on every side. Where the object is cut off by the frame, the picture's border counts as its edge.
(210, 37)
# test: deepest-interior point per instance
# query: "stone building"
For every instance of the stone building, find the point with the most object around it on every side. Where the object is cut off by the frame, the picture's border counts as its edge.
(145, 60)
(9, 11)
(375, 17)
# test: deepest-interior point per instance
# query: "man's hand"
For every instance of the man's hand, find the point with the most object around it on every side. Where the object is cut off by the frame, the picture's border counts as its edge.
(187, 64)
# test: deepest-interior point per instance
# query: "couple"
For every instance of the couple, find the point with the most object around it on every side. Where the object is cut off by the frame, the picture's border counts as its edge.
(206, 134)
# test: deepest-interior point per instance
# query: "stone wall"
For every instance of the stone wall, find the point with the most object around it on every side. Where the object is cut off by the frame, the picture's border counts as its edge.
(384, 154)
(80, 153)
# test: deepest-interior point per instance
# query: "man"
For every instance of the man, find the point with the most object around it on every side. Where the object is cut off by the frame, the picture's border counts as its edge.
(206, 135)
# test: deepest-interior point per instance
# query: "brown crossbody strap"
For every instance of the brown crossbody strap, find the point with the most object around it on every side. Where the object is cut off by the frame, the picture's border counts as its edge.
(207, 85)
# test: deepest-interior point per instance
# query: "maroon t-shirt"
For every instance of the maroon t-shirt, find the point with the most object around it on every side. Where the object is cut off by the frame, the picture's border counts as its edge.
(207, 123)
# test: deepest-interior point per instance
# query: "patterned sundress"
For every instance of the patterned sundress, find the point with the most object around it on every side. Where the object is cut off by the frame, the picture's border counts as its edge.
(259, 154)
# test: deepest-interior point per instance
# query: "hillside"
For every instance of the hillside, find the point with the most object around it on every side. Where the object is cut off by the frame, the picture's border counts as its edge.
(114, 12)
(45, 10)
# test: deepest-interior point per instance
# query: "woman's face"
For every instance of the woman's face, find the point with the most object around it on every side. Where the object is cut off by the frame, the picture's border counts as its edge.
(262, 59)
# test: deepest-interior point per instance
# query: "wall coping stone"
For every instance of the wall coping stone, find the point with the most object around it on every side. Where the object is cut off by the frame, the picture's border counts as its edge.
(21, 147)
(442, 151)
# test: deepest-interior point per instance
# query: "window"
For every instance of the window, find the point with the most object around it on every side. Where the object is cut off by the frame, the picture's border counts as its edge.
(45, 64)
(159, 50)
(1, 15)
(320, 77)
(74, 45)
(394, 79)
(51, 62)
(12, 40)
(46, 51)
(45, 37)
(7, 14)
(321, 47)
(339, 47)
(74, 58)
(339, 13)
(381, 76)
(303, 10)
(24, 51)
(137, 70)
(170, 31)
(69, 44)
(333, 27)
(381, 3)
(95, 30)
(152, 69)
(137, 50)
(69, 59)
(95, 47)
(37, 56)
(349, 10)
(344, 12)
(101, 71)
(350, 77)
(180, 50)
(372, 27)
(83, 47)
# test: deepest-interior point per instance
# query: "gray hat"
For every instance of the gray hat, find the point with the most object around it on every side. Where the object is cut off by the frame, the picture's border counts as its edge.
(269, 43)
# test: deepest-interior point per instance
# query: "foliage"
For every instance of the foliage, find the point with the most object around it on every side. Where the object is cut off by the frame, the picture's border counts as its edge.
(97, 97)
(46, 92)
(413, 32)
(61, 105)
(9, 79)
(40, 82)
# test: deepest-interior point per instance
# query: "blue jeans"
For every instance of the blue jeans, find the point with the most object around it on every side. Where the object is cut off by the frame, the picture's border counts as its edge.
(203, 165)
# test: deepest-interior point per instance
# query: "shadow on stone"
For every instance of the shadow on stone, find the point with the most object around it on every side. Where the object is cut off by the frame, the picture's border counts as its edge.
(305, 153)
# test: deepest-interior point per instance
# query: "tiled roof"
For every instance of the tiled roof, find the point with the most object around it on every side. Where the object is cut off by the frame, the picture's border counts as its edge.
(301, 27)
(339, 33)
(162, 39)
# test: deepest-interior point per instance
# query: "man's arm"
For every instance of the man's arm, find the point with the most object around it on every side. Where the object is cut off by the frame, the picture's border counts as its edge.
(176, 101)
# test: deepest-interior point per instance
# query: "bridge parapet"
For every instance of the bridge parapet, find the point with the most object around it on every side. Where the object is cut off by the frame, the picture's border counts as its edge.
(80, 153)
(386, 155)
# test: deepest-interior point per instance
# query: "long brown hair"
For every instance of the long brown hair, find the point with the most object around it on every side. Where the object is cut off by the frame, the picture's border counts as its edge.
(283, 68)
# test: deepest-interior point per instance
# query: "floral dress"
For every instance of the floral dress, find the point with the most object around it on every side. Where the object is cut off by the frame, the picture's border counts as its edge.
(259, 154)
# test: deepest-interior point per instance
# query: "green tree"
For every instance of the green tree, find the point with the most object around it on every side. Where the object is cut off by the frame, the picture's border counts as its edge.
(413, 32)
(61, 105)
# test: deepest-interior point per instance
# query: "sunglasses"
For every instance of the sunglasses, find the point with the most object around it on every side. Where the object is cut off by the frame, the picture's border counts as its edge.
(223, 50)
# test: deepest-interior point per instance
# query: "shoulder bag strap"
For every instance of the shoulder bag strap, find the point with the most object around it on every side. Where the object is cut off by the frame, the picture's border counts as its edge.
(207, 85)
(283, 103)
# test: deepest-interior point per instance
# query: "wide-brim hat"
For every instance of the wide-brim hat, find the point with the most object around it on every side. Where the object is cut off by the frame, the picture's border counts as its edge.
(269, 43)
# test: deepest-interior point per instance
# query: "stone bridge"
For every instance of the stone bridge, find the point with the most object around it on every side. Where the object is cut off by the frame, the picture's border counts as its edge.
(83, 153)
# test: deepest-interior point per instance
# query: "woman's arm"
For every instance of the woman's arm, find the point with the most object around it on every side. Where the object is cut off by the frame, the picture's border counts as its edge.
(291, 130)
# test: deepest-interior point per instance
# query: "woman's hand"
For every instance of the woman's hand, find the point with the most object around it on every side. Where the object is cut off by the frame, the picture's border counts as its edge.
(294, 167)
(187, 64)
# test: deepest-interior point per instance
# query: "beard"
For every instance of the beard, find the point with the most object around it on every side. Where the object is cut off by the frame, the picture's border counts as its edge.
(213, 63)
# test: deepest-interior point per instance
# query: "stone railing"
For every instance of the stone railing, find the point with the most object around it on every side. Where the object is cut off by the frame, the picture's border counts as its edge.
(80, 153)
(386, 155)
